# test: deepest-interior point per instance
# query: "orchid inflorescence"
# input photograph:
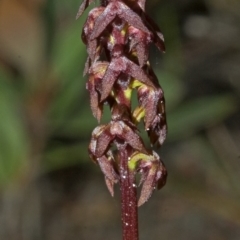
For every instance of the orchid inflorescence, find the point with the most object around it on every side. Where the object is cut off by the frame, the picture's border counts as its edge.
(117, 35)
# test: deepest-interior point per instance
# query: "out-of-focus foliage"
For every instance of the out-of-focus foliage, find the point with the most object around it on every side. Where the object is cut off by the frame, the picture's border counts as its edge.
(46, 123)
(14, 146)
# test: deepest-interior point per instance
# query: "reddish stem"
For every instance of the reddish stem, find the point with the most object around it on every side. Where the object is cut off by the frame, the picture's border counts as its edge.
(128, 198)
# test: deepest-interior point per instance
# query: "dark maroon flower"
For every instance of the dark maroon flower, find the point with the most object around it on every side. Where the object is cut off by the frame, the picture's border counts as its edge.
(104, 135)
(117, 9)
(93, 85)
(152, 170)
(93, 48)
(122, 65)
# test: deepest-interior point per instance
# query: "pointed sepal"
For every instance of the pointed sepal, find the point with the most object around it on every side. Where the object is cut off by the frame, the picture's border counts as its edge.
(83, 6)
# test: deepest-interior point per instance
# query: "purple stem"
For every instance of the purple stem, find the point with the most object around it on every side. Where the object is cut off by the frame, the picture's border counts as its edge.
(128, 191)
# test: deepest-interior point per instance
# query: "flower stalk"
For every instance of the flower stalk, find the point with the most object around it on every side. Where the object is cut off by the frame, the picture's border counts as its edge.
(128, 197)
(117, 35)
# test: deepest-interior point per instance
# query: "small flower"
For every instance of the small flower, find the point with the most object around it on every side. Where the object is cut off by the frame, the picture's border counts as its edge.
(158, 129)
(149, 100)
(116, 67)
(93, 48)
(96, 73)
(152, 170)
(104, 135)
(117, 9)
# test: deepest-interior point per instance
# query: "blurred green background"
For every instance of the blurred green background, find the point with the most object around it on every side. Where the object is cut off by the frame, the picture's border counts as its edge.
(50, 190)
